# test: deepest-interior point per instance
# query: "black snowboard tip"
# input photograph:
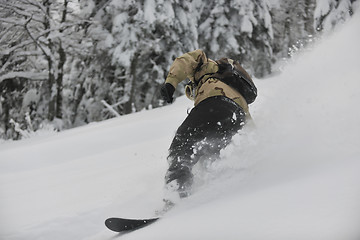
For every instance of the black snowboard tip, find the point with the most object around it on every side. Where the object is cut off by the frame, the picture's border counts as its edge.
(124, 224)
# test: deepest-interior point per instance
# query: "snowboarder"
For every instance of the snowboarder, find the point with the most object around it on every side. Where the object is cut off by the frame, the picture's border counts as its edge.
(221, 91)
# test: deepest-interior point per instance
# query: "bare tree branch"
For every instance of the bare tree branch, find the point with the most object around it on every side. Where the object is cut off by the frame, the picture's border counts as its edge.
(110, 108)
(13, 22)
(41, 34)
(14, 58)
(35, 40)
(27, 75)
(20, 11)
(41, 7)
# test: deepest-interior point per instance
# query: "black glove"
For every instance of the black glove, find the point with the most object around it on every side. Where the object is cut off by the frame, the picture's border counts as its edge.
(167, 91)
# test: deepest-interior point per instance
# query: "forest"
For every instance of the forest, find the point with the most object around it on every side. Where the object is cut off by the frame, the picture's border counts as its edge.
(67, 63)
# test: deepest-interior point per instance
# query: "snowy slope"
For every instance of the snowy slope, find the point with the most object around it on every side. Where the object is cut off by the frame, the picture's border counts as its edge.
(295, 176)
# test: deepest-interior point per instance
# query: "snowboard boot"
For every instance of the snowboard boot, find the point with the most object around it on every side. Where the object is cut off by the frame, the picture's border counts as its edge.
(179, 179)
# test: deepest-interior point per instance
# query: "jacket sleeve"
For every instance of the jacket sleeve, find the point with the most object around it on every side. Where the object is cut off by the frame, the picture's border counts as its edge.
(184, 67)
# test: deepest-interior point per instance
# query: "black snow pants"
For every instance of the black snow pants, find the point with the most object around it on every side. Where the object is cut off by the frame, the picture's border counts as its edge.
(207, 129)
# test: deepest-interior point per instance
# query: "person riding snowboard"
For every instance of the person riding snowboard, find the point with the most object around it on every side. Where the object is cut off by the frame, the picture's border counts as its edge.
(221, 91)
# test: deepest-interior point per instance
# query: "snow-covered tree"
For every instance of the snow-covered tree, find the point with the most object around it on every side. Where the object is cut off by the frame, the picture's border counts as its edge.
(329, 13)
(38, 37)
(293, 25)
(73, 62)
(240, 29)
(146, 36)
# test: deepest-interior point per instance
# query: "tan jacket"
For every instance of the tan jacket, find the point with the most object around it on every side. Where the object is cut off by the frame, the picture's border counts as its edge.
(194, 66)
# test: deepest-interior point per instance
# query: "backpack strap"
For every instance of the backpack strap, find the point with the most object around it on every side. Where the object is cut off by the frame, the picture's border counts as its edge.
(231, 73)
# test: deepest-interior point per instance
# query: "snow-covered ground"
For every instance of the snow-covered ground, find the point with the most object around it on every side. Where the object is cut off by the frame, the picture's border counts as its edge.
(295, 176)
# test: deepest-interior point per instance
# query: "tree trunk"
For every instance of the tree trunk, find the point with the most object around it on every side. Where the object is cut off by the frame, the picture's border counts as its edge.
(128, 105)
(49, 94)
(59, 81)
(60, 68)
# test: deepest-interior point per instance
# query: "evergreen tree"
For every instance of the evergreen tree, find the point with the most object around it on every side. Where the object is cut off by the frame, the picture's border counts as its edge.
(329, 13)
(147, 36)
(293, 25)
(74, 62)
(238, 29)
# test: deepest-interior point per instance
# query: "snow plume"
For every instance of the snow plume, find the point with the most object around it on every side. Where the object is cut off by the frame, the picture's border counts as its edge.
(304, 117)
(306, 135)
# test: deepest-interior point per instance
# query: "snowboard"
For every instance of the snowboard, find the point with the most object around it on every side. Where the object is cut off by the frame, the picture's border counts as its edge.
(126, 224)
